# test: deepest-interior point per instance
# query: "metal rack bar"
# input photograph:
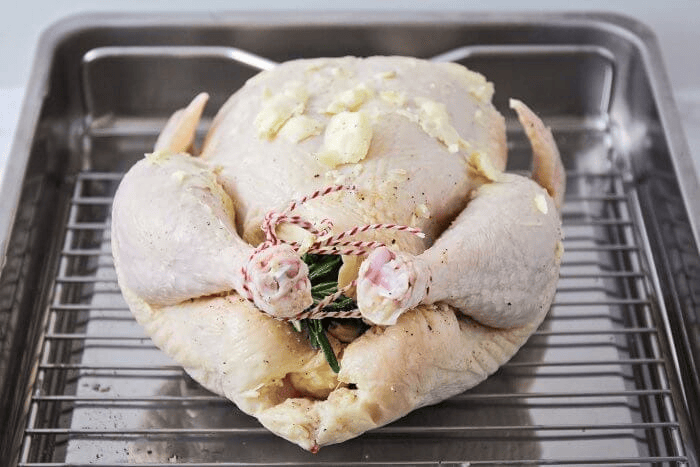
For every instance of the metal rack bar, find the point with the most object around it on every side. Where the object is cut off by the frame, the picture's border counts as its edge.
(95, 200)
(139, 338)
(567, 223)
(511, 364)
(461, 397)
(608, 302)
(385, 430)
(86, 307)
(570, 249)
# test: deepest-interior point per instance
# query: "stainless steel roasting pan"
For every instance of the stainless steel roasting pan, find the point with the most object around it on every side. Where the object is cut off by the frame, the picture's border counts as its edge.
(610, 378)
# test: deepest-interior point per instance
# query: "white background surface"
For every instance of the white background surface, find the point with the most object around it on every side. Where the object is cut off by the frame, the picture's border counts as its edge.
(676, 24)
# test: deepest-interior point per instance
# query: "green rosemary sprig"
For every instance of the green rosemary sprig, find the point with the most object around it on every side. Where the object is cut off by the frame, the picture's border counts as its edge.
(322, 265)
(318, 339)
(323, 274)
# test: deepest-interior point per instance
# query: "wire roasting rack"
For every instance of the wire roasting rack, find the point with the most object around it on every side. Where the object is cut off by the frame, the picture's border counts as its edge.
(597, 384)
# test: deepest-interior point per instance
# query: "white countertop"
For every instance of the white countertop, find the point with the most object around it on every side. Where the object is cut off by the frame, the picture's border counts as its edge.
(674, 22)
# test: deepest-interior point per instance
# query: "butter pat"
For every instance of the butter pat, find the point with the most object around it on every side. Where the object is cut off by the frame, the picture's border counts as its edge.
(351, 99)
(391, 74)
(179, 175)
(347, 139)
(479, 87)
(393, 97)
(300, 127)
(397, 175)
(157, 157)
(435, 121)
(279, 108)
(422, 211)
(293, 233)
(541, 203)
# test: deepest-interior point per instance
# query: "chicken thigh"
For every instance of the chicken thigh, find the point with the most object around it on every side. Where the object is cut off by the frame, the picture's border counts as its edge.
(499, 260)
(395, 163)
(172, 226)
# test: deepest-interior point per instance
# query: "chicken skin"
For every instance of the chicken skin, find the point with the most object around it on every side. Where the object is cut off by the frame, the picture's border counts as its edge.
(395, 163)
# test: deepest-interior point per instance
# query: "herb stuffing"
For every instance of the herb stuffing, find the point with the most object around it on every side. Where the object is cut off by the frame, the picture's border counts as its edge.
(323, 274)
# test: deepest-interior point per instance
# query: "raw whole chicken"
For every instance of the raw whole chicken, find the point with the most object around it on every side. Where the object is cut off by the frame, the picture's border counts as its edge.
(395, 163)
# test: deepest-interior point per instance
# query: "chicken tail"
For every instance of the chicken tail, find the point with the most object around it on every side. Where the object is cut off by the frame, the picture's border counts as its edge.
(547, 167)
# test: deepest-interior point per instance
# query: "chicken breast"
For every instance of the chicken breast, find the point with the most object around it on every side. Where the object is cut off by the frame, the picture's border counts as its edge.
(393, 162)
(390, 126)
